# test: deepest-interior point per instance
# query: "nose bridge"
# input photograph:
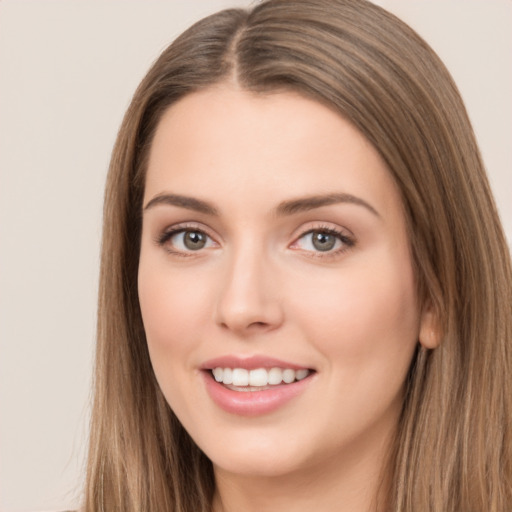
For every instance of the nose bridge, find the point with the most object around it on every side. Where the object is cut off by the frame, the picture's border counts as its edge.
(248, 297)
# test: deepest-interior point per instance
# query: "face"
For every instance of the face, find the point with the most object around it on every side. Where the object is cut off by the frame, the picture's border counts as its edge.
(275, 281)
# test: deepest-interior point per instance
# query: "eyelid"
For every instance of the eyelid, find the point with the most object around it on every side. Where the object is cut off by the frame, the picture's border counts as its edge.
(331, 227)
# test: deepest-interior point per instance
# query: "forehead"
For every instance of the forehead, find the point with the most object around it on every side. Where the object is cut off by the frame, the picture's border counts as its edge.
(231, 143)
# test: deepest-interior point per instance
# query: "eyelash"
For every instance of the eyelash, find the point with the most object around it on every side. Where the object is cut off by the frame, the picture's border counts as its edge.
(347, 241)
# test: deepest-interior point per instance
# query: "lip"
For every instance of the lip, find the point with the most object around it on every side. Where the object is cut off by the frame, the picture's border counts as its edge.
(249, 363)
(252, 403)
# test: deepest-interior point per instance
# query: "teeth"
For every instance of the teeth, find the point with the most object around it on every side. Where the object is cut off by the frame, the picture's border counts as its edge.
(259, 377)
(227, 376)
(218, 374)
(275, 376)
(288, 376)
(301, 374)
(240, 377)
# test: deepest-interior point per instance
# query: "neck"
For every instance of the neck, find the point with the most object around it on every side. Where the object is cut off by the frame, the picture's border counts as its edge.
(353, 483)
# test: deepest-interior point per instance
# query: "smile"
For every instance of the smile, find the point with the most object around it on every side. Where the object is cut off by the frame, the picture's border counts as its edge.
(241, 379)
(256, 385)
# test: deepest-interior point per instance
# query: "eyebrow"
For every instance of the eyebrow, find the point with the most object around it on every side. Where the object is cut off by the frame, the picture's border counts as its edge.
(310, 203)
(189, 203)
(284, 208)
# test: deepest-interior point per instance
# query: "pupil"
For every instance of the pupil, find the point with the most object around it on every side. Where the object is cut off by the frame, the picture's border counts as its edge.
(323, 241)
(194, 240)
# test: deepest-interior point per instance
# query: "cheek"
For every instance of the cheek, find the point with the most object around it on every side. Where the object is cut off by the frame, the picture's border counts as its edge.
(173, 311)
(366, 316)
(365, 324)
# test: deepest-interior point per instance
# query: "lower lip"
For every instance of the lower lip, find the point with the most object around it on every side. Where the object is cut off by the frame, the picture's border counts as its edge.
(253, 403)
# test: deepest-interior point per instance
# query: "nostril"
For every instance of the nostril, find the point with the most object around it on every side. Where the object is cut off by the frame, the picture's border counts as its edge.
(258, 324)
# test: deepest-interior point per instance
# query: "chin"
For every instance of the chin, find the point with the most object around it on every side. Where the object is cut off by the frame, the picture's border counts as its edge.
(257, 466)
(257, 455)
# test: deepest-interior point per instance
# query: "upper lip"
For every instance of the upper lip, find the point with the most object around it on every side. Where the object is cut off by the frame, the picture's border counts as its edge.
(249, 363)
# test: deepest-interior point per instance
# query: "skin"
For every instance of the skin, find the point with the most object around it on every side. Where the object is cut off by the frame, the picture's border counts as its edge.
(260, 287)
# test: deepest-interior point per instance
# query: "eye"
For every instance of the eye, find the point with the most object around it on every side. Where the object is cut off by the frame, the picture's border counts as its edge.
(323, 241)
(191, 240)
(183, 240)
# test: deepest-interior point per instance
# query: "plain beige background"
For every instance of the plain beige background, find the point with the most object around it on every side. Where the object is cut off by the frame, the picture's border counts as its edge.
(67, 71)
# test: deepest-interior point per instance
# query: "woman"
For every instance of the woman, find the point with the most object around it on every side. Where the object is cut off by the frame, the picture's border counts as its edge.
(305, 289)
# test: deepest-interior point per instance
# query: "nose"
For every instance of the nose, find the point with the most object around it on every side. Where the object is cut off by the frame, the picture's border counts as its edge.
(249, 301)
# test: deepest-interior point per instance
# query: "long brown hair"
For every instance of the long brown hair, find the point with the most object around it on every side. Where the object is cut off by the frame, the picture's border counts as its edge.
(454, 441)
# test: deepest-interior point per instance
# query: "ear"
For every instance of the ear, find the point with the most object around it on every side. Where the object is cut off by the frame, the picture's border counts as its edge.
(430, 330)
